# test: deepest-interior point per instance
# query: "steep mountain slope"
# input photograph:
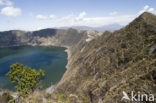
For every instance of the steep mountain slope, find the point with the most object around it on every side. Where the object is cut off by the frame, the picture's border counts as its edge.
(115, 62)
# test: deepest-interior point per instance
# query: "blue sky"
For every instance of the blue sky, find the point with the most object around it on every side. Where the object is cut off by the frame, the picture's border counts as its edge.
(38, 14)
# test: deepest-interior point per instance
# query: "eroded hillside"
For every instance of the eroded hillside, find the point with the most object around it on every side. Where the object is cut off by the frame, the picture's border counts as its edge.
(115, 62)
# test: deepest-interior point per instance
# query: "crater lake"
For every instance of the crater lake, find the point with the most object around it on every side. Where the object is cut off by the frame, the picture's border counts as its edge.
(51, 59)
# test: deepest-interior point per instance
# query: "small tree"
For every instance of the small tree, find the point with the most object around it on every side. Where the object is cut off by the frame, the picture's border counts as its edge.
(25, 78)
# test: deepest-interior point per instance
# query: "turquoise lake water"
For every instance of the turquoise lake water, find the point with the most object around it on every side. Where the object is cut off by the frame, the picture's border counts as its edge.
(51, 59)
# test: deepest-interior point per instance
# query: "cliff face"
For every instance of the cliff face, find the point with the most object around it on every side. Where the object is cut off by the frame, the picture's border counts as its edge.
(124, 60)
(55, 37)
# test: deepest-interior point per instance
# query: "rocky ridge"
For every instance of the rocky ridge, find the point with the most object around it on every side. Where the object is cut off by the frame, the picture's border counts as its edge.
(124, 60)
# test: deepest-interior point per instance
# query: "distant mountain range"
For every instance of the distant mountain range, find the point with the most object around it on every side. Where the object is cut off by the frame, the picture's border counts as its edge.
(111, 27)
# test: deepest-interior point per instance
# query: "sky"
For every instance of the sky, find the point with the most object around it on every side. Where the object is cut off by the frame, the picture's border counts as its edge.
(39, 14)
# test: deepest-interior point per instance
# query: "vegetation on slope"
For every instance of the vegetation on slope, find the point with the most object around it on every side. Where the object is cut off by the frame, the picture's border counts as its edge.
(124, 60)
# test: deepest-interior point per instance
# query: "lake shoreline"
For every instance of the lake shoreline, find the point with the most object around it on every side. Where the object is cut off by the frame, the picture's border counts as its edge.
(56, 62)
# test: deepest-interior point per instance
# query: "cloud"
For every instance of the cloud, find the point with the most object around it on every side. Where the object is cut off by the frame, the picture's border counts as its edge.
(151, 10)
(52, 16)
(81, 20)
(113, 13)
(147, 8)
(42, 17)
(101, 21)
(81, 16)
(144, 9)
(7, 3)
(11, 11)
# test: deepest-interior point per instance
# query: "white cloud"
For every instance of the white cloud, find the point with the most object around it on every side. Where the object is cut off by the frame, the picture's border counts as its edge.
(151, 10)
(101, 21)
(113, 13)
(81, 16)
(7, 3)
(81, 20)
(147, 8)
(41, 17)
(11, 11)
(52, 16)
(72, 20)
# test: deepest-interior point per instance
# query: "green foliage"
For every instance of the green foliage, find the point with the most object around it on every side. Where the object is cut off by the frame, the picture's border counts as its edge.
(85, 100)
(72, 99)
(63, 99)
(48, 102)
(25, 78)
